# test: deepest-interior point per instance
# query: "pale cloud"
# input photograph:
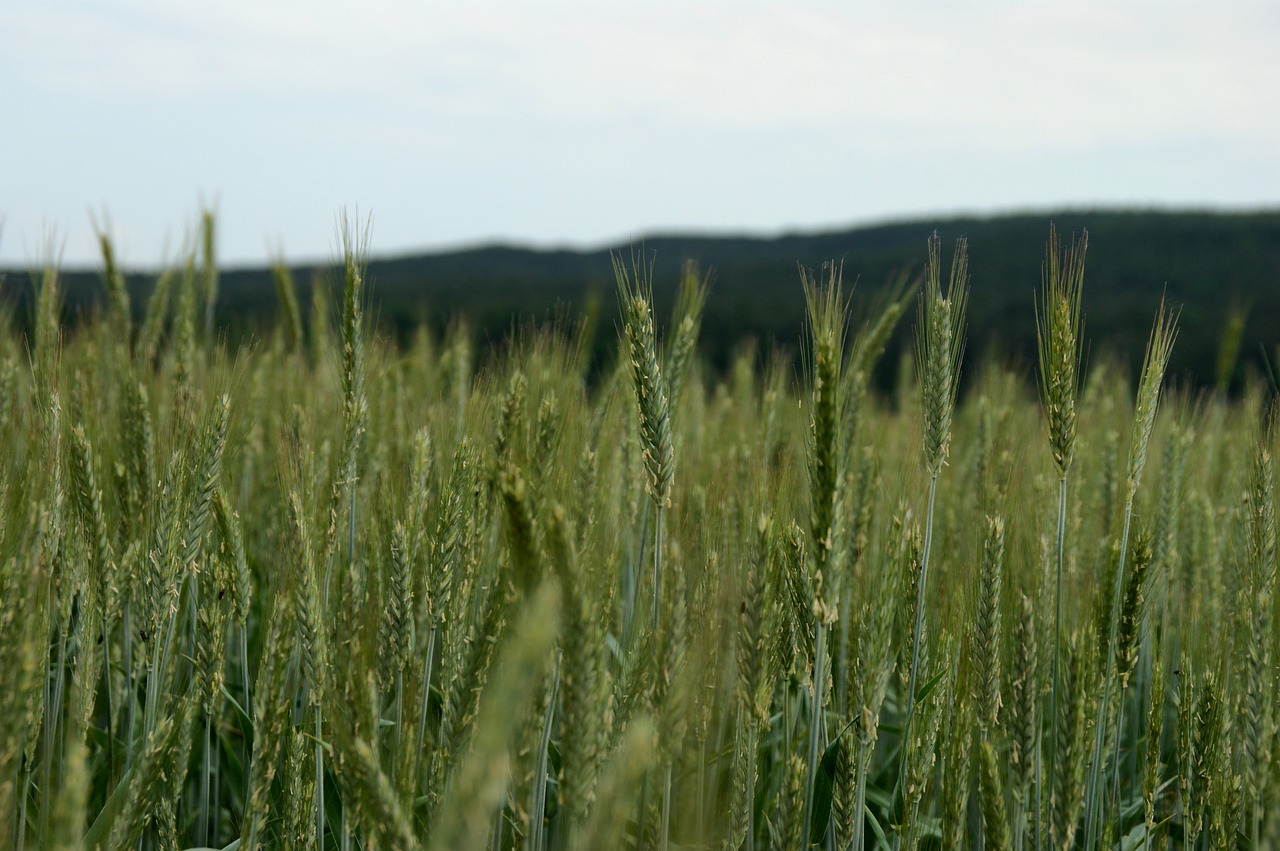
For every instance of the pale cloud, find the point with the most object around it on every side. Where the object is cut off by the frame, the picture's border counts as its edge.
(1053, 72)
(455, 86)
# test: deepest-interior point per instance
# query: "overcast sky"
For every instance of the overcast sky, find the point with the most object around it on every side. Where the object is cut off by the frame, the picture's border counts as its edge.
(585, 123)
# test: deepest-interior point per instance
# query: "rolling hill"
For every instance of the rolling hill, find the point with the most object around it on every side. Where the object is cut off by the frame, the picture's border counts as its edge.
(1207, 263)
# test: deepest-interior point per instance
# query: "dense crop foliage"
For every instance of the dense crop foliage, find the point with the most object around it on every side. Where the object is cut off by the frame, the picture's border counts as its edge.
(324, 591)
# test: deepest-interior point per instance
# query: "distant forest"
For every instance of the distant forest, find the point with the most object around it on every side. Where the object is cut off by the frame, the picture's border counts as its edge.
(1217, 267)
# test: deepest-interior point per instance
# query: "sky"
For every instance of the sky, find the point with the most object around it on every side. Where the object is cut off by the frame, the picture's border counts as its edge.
(582, 124)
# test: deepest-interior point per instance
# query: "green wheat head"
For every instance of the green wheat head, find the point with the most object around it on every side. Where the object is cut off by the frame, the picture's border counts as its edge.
(940, 348)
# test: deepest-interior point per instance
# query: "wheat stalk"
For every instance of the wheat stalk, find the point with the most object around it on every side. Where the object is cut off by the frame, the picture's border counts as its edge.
(635, 295)
(1058, 324)
(940, 345)
(826, 317)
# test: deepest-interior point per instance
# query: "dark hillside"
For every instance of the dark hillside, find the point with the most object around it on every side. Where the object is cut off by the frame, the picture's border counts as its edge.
(1209, 263)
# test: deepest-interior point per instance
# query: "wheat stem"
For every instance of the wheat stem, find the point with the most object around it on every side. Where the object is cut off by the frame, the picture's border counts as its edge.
(915, 636)
(1060, 544)
(657, 568)
(815, 717)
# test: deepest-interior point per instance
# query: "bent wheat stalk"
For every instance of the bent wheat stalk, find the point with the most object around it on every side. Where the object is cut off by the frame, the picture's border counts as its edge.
(1159, 347)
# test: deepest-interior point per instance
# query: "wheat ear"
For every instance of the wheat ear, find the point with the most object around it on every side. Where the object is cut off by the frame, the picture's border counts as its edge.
(635, 294)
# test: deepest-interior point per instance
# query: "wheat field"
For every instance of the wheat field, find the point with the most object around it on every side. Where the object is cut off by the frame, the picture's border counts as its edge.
(325, 592)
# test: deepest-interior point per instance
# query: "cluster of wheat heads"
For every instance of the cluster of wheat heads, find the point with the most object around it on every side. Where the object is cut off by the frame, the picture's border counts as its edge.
(328, 593)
